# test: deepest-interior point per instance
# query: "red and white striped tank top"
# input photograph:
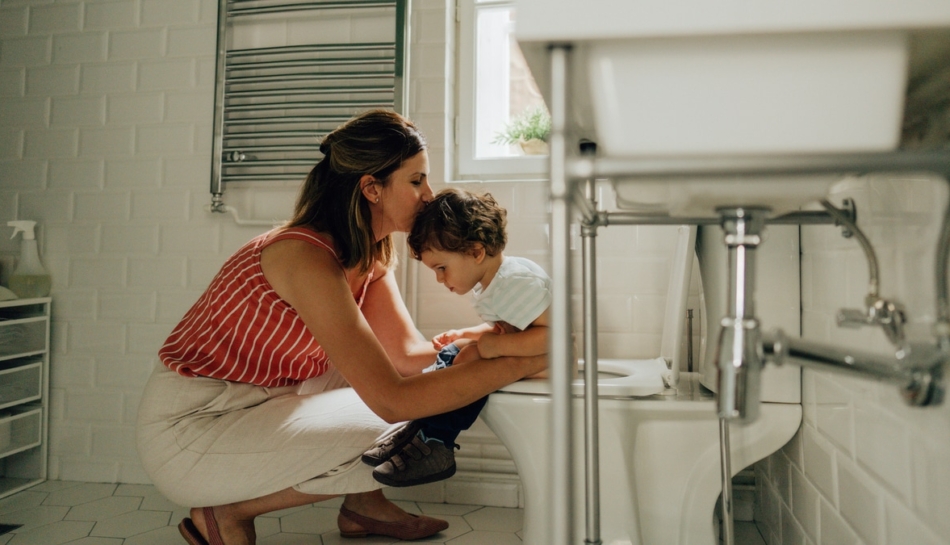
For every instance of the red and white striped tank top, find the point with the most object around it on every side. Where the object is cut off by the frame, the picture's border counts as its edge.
(240, 330)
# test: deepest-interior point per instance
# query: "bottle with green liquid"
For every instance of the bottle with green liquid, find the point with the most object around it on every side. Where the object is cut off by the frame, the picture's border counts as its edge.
(29, 278)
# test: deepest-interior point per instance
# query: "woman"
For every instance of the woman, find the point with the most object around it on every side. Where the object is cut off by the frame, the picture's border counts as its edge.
(250, 411)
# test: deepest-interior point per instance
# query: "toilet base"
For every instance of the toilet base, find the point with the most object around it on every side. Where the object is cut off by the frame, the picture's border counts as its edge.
(659, 461)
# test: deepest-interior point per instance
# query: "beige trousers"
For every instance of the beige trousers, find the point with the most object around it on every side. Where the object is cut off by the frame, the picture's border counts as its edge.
(206, 442)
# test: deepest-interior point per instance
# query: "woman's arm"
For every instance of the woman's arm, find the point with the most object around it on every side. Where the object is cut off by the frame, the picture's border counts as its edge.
(389, 319)
(311, 281)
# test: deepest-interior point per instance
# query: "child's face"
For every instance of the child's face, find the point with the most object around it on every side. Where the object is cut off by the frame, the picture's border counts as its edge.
(459, 272)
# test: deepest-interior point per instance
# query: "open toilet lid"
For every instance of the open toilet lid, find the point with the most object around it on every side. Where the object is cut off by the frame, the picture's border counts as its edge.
(618, 378)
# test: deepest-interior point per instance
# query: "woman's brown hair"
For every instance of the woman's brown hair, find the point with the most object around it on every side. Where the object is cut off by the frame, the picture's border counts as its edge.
(376, 142)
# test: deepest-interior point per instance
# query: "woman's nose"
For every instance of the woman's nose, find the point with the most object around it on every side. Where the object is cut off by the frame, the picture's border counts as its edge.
(428, 195)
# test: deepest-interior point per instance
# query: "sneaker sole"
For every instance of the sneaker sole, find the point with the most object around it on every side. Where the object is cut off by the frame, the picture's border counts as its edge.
(374, 461)
(442, 475)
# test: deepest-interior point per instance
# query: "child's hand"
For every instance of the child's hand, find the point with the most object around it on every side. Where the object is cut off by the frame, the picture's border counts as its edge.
(442, 340)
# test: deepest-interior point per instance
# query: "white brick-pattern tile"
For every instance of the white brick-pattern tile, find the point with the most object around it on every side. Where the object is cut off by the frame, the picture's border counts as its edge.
(110, 16)
(137, 44)
(108, 78)
(75, 173)
(52, 80)
(55, 18)
(78, 111)
(79, 47)
(135, 108)
(875, 468)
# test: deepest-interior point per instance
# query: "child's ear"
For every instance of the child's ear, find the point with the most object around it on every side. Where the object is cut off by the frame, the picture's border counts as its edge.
(478, 252)
(370, 188)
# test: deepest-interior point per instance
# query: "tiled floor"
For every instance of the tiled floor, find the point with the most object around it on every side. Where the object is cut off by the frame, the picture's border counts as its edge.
(59, 512)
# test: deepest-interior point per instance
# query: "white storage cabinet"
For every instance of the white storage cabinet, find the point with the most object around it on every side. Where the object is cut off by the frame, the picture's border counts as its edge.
(24, 392)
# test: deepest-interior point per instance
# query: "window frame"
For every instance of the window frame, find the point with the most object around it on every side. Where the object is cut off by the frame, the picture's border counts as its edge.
(467, 166)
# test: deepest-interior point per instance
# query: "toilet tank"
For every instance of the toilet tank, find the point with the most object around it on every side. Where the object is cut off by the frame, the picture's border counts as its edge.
(777, 301)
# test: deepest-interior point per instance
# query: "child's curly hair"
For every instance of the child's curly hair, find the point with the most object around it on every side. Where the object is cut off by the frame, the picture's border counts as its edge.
(456, 220)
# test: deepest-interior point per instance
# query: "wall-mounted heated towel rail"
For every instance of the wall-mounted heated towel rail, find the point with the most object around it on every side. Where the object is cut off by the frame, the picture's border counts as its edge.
(290, 72)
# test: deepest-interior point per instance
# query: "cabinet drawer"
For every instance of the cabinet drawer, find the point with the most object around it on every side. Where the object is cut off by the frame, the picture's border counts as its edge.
(20, 431)
(22, 337)
(20, 384)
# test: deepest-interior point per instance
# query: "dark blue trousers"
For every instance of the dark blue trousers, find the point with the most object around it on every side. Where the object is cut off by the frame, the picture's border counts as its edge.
(446, 427)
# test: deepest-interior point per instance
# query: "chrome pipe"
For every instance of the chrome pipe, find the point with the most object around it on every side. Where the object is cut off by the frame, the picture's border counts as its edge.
(873, 275)
(757, 166)
(689, 340)
(309, 6)
(804, 217)
(918, 372)
(308, 105)
(941, 276)
(287, 120)
(217, 129)
(271, 176)
(591, 396)
(272, 163)
(561, 343)
(401, 67)
(306, 91)
(275, 148)
(737, 357)
(307, 76)
(287, 134)
(302, 63)
(725, 465)
(310, 48)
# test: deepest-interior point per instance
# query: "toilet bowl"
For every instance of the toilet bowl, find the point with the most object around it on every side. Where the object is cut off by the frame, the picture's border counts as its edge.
(659, 446)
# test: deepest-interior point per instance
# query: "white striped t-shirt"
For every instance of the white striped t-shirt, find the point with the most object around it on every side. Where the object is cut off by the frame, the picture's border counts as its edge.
(518, 293)
(240, 330)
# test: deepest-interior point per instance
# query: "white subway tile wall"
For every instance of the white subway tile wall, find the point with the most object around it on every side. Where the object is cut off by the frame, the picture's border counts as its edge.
(865, 467)
(105, 134)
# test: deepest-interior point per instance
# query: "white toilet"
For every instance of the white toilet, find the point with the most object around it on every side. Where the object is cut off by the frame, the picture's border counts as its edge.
(659, 450)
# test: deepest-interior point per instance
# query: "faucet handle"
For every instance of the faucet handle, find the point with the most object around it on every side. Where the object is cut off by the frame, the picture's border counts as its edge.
(852, 317)
(891, 317)
(887, 314)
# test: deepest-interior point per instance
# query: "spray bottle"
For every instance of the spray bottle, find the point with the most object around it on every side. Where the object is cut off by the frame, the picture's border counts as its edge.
(29, 278)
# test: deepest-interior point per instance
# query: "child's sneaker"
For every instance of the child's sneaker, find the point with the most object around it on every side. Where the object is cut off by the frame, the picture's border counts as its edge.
(420, 461)
(391, 444)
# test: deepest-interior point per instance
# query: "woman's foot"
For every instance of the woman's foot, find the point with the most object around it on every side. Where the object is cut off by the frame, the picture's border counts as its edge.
(219, 526)
(371, 513)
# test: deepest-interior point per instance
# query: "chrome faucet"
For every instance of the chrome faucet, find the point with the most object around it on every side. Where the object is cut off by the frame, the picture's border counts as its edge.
(919, 370)
(889, 315)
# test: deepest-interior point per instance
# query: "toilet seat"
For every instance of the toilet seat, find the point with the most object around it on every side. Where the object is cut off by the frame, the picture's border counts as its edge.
(618, 378)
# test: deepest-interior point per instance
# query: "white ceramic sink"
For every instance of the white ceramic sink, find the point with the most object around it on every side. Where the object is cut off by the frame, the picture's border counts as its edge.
(697, 198)
(696, 78)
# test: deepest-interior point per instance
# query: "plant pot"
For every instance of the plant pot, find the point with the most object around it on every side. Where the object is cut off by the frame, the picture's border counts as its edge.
(534, 147)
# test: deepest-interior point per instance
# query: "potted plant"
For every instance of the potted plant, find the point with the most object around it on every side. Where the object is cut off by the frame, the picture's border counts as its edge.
(529, 130)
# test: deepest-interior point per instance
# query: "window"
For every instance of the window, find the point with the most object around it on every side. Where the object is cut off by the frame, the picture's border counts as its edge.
(495, 88)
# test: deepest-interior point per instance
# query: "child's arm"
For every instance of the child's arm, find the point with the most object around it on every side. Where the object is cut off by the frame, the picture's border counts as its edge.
(474, 333)
(532, 341)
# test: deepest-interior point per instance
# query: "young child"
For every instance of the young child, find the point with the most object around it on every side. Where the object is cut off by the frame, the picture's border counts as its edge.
(461, 235)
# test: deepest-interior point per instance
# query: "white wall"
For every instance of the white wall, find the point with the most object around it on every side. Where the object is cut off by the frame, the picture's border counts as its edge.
(105, 124)
(105, 140)
(865, 468)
